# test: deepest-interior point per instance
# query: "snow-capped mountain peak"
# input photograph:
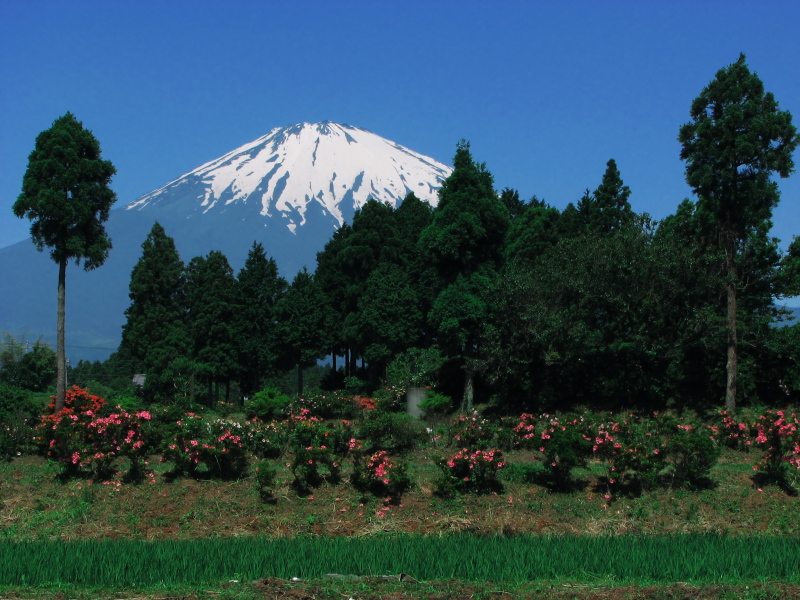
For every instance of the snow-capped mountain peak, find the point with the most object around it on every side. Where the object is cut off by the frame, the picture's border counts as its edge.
(292, 170)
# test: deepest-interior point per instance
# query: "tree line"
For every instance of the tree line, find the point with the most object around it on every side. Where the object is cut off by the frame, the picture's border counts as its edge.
(535, 307)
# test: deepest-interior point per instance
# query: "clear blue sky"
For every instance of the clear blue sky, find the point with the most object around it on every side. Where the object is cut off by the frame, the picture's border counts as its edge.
(546, 92)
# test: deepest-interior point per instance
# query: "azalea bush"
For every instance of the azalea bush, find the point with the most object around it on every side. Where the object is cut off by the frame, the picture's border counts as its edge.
(87, 434)
(565, 445)
(634, 450)
(217, 445)
(19, 415)
(778, 439)
(472, 431)
(525, 432)
(222, 451)
(691, 451)
(306, 430)
(313, 466)
(182, 446)
(265, 440)
(381, 475)
(470, 471)
(733, 432)
(325, 405)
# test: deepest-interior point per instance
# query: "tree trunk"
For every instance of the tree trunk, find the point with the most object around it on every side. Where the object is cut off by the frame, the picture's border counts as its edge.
(466, 401)
(730, 389)
(299, 380)
(61, 354)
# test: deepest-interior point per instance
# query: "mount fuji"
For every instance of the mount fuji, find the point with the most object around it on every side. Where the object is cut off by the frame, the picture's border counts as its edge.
(288, 190)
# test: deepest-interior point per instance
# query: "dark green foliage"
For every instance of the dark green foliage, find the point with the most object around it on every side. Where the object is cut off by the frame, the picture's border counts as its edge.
(65, 194)
(301, 329)
(515, 206)
(211, 299)
(31, 368)
(415, 367)
(155, 331)
(19, 414)
(531, 234)
(115, 373)
(570, 223)
(267, 404)
(383, 430)
(266, 480)
(258, 290)
(609, 209)
(594, 323)
(736, 140)
(470, 222)
(388, 318)
(436, 404)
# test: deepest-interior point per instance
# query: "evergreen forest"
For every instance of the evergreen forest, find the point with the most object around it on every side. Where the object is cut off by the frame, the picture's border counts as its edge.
(493, 299)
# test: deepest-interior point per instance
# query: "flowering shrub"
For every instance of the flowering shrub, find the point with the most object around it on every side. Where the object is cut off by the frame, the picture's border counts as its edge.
(472, 431)
(79, 436)
(326, 405)
(316, 446)
(470, 471)
(364, 404)
(565, 445)
(215, 444)
(779, 439)
(525, 432)
(265, 440)
(380, 475)
(733, 432)
(19, 414)
(120, 434)
(305, 430)
(182, 448)
(634, 450)
(692, 452)
(222, 451)
(312, 466)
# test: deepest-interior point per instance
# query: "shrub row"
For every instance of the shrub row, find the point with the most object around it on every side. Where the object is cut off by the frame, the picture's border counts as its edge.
(639, 452)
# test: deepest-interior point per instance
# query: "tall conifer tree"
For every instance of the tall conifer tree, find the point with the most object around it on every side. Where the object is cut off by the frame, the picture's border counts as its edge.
(66, 195)
(464, 244)
(259, 287)
(155, 329)
(736, 140)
